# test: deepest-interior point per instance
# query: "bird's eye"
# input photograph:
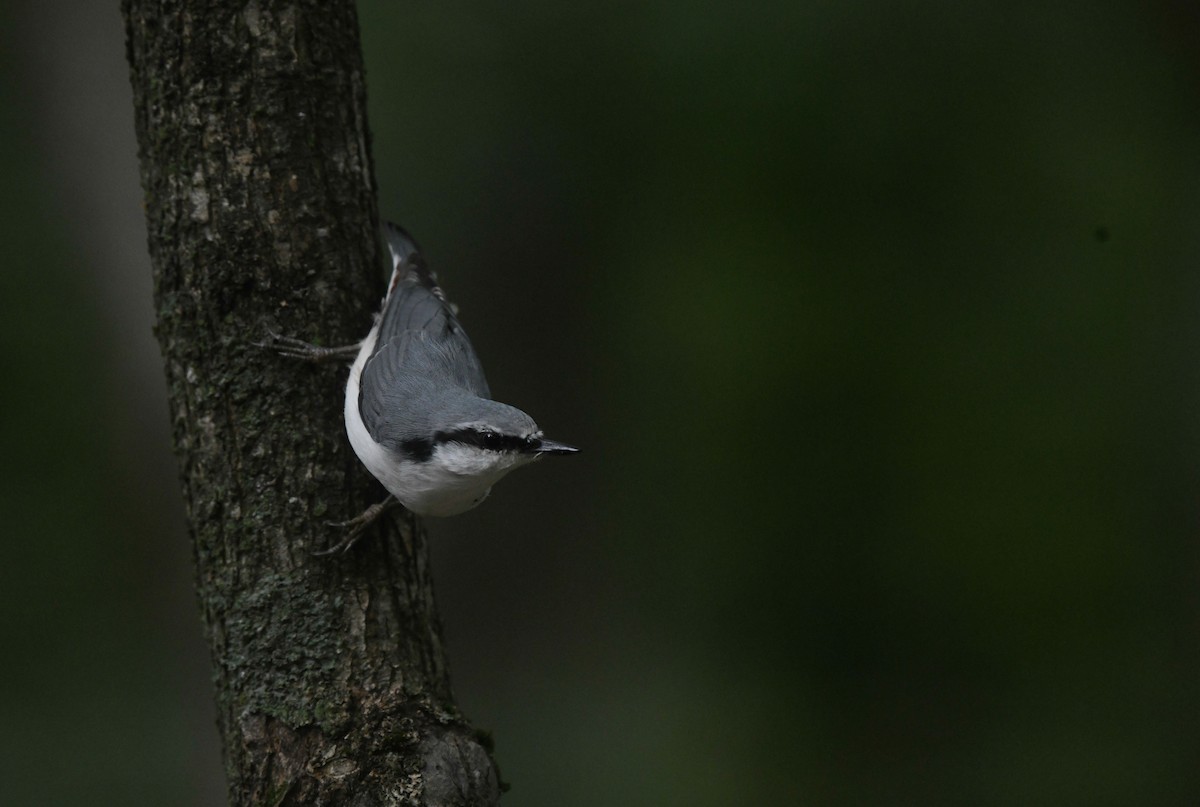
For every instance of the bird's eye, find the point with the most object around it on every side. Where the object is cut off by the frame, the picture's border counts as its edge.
(491, 440)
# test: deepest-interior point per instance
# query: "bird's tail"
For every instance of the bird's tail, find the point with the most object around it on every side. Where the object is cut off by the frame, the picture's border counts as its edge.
(408, 265)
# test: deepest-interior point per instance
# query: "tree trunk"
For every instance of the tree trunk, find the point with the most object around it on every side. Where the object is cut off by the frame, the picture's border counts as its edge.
(260, 205)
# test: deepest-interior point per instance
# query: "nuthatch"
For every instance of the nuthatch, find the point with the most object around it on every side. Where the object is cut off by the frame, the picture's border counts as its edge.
(418, 411)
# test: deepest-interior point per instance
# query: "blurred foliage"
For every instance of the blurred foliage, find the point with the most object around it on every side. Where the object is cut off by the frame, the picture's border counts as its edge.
(876, 322)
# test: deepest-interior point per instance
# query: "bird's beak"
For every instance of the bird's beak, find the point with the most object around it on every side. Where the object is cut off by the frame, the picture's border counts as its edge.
(551, 447)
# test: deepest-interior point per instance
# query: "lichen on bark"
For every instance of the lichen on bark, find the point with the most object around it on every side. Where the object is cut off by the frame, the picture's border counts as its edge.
(330, 675)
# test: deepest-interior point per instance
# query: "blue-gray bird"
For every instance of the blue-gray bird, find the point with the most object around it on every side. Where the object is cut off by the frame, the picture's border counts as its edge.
(418, 411)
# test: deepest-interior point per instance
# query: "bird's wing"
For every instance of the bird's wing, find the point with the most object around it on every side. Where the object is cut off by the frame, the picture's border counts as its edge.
(380, 384)
(419, 341)
(406, 382)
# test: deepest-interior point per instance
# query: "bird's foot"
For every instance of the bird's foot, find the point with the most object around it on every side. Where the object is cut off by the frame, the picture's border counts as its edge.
(357, 526)
(306, 351)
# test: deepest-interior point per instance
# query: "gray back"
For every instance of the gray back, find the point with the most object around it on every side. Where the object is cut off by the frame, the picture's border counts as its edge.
(423, 367)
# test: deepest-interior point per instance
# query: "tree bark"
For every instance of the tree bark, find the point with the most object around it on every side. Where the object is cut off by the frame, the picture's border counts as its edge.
(260, 207)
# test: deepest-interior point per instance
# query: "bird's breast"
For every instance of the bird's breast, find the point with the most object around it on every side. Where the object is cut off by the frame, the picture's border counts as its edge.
(431, 491)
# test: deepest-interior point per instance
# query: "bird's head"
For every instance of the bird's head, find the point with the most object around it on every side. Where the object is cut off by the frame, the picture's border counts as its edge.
(488, 442)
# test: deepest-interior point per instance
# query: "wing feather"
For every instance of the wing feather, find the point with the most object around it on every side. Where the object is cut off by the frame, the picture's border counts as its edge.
(419, 345)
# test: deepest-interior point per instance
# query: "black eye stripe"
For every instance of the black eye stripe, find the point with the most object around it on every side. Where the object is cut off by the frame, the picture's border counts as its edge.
(418, 449)
(488, 440)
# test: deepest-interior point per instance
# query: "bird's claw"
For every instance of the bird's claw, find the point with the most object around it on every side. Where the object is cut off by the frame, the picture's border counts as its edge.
(359, 525)
(305, 351)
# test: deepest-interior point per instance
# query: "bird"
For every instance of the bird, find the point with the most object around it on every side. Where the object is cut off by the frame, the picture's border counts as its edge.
(418, 411)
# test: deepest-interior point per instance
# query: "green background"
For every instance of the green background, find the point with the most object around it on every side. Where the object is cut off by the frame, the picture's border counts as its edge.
(877, 323)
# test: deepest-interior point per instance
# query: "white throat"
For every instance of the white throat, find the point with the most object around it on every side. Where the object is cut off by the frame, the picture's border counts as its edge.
(456, 478)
